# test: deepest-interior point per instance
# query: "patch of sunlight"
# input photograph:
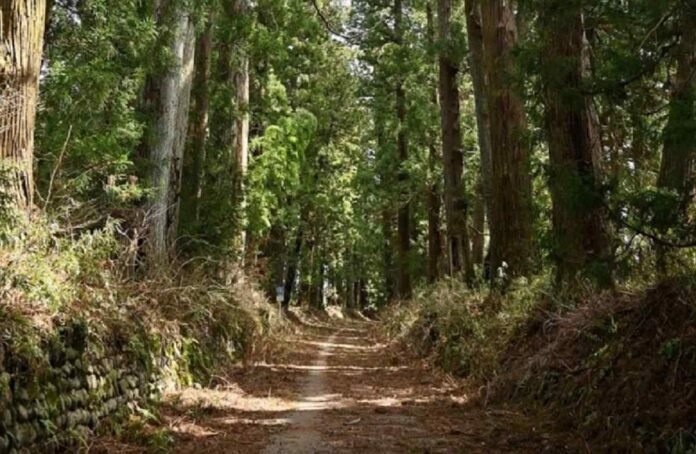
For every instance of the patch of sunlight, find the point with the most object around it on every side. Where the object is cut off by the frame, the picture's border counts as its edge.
(405, 400)
(322, 402)
(383, 402)
(323, 398)
(351, 338)
(335, 312)
(229, 399)
(193, 429)
(233, 400)
(331, 345)
(461, 400)
(257, 422)
(279, 367)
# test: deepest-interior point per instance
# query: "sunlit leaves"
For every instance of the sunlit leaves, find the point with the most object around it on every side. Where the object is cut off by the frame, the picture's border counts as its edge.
(275, 174)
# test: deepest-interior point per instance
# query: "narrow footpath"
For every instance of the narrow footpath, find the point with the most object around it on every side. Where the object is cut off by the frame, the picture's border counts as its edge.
(340, 391)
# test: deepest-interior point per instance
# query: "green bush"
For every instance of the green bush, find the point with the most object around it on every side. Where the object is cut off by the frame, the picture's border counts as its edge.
(464, 330)
(71, 293)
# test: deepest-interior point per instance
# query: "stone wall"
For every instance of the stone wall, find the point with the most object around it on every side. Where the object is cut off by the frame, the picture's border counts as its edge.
(56, 393)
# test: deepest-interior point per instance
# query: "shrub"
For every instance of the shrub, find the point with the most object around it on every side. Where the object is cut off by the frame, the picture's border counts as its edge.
(464, 330)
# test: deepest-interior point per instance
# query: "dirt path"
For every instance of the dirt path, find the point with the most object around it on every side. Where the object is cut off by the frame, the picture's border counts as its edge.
(304, 434)
(340, 391)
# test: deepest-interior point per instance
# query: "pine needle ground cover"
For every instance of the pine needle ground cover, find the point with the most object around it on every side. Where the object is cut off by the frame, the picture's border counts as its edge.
(617, 369)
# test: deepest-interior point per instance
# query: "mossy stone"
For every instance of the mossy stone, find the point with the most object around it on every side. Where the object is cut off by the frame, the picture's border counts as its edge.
(22, 413)
(21, 395)
(67, 369)
(25, 434)
(4, 443)
(75, 383)
(7, 418)
(61, 421)
(92, 382)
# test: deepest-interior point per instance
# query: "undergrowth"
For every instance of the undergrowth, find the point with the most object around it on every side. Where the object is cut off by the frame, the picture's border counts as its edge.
(48, 276)
(57, 286)
(461, 329)
(620, 367)
(617, 368)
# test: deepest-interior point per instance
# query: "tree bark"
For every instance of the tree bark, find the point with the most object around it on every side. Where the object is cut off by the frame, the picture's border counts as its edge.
(433, 205)
(293, 263)
(478, 221)
(432, 196)
(476, 65)
(456, 205)
(321, 275)
(241, 146)
(22, 24)
(168, 137)
(223, 123)
(510, 221)
(388, 254)
(275, 258)
(199, 121)
(387, 214)
(679, 149)
(579, 221)
(403, 284)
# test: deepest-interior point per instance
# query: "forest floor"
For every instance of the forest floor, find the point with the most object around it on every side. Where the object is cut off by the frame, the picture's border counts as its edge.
(338, 389)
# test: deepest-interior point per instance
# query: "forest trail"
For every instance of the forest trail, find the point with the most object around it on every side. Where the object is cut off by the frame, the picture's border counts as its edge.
(304, 433)
(338, 391)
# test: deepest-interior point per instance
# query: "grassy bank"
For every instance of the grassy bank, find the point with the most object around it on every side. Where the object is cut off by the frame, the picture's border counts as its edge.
(86, 340)
(617, 368)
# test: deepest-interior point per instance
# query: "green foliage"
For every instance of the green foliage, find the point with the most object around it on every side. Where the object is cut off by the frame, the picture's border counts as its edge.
(47, 270)
(89, 127)
(138, 429)
(465, 331)
(671, 349)
(275, 176)
(71, 298)
(340, 170)
(325, 182)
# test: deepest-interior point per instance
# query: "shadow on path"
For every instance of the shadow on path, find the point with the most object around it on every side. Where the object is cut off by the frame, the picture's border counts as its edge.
(341, 391)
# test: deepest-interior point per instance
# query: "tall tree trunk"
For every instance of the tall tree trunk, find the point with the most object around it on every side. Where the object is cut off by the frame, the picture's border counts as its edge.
(456, 205)
(388, 251)
(223, 122)
(321, 275)
(579, 221)
(679, 150)
(510, 221)
(386, 180)
(293, 264)
(22, 24)
(432, 196)
(433, 205)
(275, 254)
(199, 122)
(308, 274)
(478, 221)
(241, 147)
(403, 284)
(168, 136)
(476, 65)
(362, 295)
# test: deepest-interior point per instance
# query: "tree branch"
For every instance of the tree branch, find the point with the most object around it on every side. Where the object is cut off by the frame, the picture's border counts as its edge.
(657, 239)
(327, 24)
